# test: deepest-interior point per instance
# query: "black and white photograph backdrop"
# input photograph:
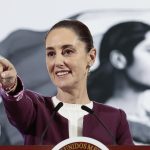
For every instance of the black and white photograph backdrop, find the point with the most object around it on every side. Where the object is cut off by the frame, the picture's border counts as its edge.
(120, 76)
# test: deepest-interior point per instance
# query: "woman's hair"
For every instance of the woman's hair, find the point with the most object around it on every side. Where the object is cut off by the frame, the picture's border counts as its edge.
(122, 37)
(79, 28)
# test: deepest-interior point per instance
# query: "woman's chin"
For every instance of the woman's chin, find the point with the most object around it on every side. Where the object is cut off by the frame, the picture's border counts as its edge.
(64, 85)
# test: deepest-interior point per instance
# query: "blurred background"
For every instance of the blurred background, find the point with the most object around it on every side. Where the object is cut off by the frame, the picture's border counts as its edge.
(22, 30)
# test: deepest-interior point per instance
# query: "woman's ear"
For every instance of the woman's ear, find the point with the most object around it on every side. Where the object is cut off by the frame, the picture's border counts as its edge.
(117, 59)
(91, 56)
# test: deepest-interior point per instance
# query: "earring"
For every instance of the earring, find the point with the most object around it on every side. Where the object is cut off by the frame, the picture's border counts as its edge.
(90, 64)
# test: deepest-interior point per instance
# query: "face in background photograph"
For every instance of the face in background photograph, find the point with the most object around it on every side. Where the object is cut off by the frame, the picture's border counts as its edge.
(139, 69)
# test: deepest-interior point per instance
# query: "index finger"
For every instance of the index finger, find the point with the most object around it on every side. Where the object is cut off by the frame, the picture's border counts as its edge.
(4, 63)
(1, 68)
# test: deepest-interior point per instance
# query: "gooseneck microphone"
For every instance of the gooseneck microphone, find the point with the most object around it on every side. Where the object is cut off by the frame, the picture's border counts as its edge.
(55, 110)
(87, 109)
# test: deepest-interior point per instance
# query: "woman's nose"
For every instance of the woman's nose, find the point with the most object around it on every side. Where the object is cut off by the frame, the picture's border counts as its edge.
(59, 60)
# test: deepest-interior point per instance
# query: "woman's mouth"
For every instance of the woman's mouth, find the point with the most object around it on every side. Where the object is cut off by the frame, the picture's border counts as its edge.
(62, 73)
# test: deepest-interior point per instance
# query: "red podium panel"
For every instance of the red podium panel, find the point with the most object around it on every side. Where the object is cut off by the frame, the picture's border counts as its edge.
(32, 147)
(129, 147)
(48, 147)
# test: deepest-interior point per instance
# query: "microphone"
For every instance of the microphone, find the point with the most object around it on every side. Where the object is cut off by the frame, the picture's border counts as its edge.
(87, 109)
(55, 110)
(58, 106)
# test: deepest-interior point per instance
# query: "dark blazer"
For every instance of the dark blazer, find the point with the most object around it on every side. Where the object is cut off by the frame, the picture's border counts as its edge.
(31, 112)
(9, 135)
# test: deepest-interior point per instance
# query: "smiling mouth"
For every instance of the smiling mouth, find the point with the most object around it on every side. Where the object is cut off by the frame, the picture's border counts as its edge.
(62, 73)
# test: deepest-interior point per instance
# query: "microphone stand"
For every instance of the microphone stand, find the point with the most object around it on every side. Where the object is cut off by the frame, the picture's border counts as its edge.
(59, 105)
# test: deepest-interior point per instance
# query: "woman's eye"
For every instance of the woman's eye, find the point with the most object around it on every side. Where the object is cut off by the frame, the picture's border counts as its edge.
(67, 52)
(51, 54)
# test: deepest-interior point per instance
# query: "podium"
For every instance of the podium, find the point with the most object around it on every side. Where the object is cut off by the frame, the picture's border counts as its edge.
(49, 147)
(76, 143)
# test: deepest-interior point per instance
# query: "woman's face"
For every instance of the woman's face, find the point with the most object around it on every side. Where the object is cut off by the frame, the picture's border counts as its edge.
(139, 71)
(66, 58)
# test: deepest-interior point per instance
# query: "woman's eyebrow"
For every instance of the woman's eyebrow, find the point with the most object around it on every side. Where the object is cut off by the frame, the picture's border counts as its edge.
(62, 47)
(49, 48)
(66, 46)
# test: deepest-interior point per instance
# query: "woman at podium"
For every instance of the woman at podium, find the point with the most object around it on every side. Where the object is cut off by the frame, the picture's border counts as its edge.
(49, 120)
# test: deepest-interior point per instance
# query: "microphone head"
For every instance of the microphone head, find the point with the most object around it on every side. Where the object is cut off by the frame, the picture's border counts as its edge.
(58, 106)
(87, 109)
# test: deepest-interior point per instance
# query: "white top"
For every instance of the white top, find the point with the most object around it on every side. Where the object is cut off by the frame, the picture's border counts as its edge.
(74, 114)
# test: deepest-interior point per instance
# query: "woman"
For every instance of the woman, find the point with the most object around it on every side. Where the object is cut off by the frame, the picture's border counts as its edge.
(123, 77)
(69, 55)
